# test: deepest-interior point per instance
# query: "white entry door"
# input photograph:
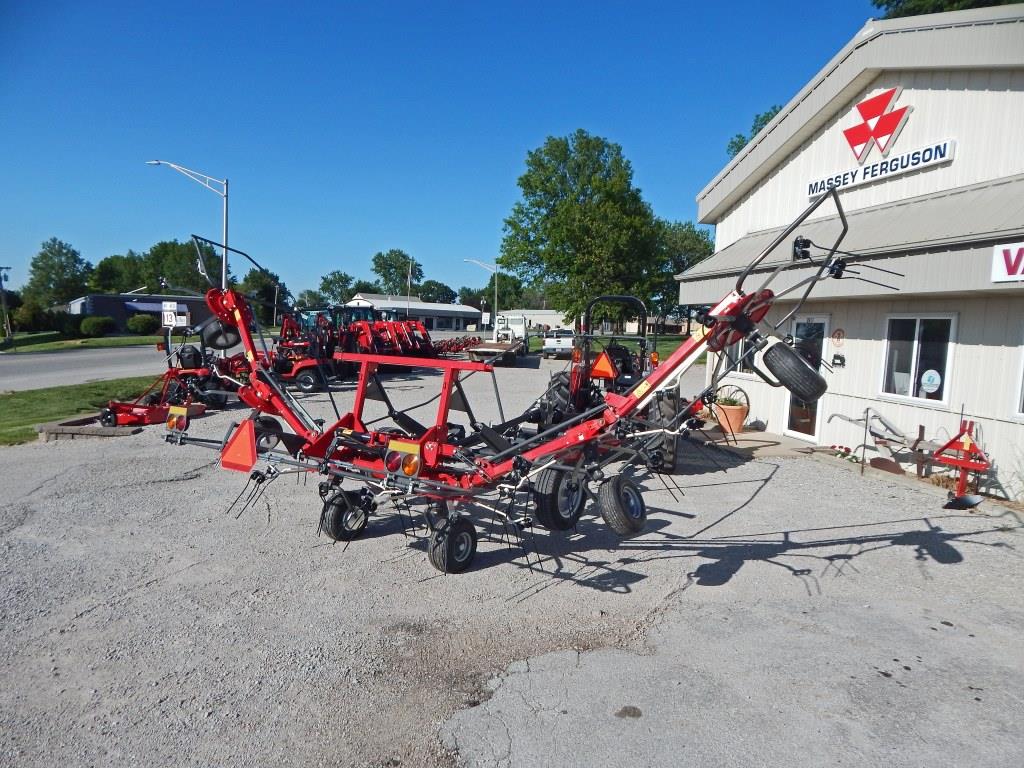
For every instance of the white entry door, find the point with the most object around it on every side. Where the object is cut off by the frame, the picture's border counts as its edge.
(810, 333)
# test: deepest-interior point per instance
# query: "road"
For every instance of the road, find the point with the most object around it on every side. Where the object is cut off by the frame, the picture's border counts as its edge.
(35, 370)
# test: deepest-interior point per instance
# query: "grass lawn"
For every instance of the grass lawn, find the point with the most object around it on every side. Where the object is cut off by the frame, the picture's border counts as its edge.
(21, 411)
(51, 341)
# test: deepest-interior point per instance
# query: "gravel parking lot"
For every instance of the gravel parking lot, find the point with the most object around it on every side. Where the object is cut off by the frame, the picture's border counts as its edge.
(140, 624)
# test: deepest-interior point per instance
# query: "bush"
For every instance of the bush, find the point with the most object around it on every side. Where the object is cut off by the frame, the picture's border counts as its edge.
(65, 323)
(143, 325)
(30, 316)
(98, 326)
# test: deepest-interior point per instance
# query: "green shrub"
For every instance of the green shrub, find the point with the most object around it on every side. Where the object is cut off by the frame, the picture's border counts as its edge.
(65, 323)
(143, 325)
(100, 325)
(30, 316)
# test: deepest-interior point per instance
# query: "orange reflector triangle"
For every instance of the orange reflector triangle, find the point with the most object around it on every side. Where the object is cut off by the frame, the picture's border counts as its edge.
(240, 451)
(604, 368)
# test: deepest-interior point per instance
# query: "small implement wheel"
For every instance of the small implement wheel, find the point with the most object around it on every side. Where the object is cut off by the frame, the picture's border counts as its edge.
(622, 506)
(452, 546)
(559, 499)
(108, 418)
(343, 516)
(795, 373)
(268, 433)
(307, 382)
(215, 396)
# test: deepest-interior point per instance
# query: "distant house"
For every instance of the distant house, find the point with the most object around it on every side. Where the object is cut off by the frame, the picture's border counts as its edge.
(445, 317)
(121, 306)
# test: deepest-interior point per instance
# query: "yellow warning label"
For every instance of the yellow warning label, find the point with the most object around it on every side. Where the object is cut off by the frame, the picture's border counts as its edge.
(641, 389)
(178, 410)
(403, 446)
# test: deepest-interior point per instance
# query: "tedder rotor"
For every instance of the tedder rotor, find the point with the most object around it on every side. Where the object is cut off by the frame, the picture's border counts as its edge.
(583, 439)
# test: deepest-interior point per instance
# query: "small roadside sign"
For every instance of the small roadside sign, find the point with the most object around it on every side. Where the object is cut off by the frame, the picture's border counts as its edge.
(170, 318)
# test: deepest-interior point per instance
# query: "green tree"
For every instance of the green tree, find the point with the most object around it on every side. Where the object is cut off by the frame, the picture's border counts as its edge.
(176, 264)
(896, 8)
(471, 297)
(366, 286)
(336, 286)
(392, 267)
(681, 245)
(260, 285)
(740, 140)
(58, 273)
(310, 298)
(433, 290)
(118, 274)
(581, 225)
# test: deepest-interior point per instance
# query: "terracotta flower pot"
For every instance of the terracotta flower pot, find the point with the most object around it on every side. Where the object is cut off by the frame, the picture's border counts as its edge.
(731, 417)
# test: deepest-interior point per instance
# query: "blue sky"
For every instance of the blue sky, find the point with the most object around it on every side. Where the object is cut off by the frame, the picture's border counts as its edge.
(346, 129)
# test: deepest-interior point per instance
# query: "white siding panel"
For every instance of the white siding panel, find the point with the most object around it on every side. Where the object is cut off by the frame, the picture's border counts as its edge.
(981, 110)
(983, 378)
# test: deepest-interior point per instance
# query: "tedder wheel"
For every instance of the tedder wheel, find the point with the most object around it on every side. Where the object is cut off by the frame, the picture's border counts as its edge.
(108, 418)
(559, 499)
(795, 373)
(622, 506)
(215, 396)
(268, 433)
(307, 382)
(344, 517)
(452, 546)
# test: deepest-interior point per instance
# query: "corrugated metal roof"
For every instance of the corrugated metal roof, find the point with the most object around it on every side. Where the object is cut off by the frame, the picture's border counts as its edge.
(993, 210)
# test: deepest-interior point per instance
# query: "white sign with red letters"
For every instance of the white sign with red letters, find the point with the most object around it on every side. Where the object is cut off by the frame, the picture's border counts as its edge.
(1008, 263)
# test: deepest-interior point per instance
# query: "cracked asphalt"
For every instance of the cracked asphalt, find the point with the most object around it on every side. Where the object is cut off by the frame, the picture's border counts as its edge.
(783, 611)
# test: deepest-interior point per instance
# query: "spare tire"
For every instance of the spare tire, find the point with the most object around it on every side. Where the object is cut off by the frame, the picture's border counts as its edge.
(217, 335)
(795, 373)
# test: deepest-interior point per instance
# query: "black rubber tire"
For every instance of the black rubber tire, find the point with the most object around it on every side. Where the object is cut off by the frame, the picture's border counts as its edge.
(268, 433)
(108, 418)
(557, 507)
(795, 373)
(452, 546)
(622, 506)
(215, 397)
(307, 382)
(153, 398)
(666, 410)
(344, 518)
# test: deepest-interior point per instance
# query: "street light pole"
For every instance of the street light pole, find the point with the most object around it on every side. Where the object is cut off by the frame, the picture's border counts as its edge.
(3, 303)
(493, 269)
(208, 182)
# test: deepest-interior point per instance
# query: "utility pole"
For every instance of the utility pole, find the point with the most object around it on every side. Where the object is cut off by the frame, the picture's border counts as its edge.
(3, 303)
(274, 322)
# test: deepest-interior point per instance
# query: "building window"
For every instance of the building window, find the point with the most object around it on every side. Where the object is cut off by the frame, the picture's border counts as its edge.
(917, 357)
(736, 352)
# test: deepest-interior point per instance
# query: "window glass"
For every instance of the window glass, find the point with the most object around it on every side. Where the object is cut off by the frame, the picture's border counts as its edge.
(916, 356)
(933, 344)
(900, 358)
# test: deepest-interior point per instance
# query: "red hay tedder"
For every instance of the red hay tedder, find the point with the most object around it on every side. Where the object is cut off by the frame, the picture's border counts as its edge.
(608, 418)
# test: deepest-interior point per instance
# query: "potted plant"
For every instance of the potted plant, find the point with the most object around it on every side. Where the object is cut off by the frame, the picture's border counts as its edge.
(731, 412)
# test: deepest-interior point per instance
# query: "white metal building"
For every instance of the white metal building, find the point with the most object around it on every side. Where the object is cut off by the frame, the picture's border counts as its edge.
(444, 317)
(919, 122)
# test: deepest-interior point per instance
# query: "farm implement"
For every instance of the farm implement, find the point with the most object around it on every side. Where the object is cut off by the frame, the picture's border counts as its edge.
(614, 414)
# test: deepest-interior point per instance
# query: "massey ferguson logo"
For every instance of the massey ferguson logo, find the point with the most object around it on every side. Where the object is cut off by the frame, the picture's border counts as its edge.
(881, 126)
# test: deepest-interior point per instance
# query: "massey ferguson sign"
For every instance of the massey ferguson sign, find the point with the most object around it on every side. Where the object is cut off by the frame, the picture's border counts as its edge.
(1008, 263)
(878, 124)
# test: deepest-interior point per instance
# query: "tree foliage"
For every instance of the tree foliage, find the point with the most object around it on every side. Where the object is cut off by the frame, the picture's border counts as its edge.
(336, 286)
(176, 264)
(310, 298)
(57, 274)
(436, 291)
(119, 273)
(581, 225)
(681, 245)
(897, 8)
(260, 285)
(366, 286)
(740, 140)
(392, 267)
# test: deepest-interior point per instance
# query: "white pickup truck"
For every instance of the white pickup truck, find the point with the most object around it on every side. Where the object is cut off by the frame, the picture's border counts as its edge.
(558, 342)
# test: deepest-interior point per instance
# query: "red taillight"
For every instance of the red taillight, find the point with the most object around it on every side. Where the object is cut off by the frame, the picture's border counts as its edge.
(175, 422)
(577, 355)
(393, 461)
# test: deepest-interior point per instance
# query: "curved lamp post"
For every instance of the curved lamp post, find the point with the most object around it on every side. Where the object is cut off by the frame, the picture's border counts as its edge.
(209, 182)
